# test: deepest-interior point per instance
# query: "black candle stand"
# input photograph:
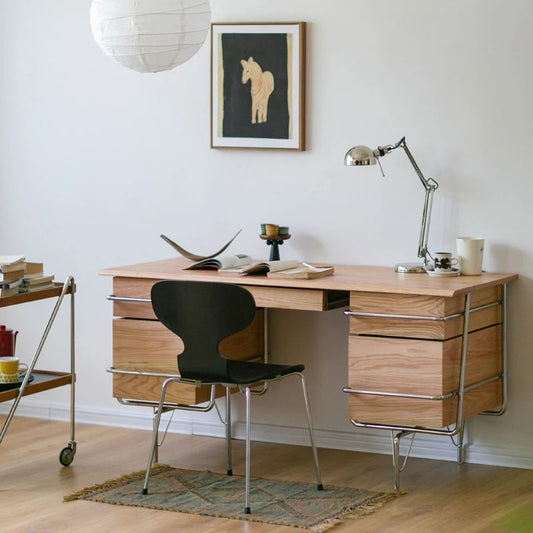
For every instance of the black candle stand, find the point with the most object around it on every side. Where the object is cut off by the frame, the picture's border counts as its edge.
(275, 241)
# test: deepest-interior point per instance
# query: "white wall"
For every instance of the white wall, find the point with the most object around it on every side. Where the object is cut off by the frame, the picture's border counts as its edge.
(96, 161)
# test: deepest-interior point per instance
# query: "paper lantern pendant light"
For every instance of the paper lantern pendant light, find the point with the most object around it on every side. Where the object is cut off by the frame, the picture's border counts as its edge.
(150, 35)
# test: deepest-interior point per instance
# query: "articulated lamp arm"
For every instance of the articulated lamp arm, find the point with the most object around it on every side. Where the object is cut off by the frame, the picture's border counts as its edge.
(361, 155)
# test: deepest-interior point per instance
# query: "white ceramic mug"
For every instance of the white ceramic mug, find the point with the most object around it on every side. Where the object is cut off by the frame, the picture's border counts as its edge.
(470, 253)
(10, 368)
(444, 261)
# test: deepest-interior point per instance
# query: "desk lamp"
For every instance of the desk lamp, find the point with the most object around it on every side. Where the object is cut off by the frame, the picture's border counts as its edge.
(362, 155)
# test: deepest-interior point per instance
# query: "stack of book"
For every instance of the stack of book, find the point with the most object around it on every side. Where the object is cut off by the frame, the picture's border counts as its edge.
(18, 275)
(34, 278)
(11, 274)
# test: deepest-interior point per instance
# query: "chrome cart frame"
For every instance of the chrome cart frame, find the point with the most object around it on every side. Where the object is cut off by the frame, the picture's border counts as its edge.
(35, 381)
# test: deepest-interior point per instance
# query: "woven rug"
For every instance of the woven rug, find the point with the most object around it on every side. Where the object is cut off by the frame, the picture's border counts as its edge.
(286, 503)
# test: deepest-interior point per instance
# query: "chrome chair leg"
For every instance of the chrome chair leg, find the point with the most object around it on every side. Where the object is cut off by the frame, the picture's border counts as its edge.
(155, 434)
(228, 430)
(311, 434)
(155, 429)
(247, 509)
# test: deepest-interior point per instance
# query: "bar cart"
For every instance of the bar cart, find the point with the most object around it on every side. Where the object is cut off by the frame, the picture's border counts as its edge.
(34, 381)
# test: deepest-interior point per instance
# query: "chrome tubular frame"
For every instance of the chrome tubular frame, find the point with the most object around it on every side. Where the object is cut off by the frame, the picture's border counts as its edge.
(161, 408)
(247, 393)
(458, 429)
(68, 284)
(128, 299)
(266, 350)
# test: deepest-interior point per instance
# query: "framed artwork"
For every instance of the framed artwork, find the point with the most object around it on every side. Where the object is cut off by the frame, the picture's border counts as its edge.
(258, 85)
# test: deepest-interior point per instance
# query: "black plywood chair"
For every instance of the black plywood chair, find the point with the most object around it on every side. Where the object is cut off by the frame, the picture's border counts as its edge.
(202, 314)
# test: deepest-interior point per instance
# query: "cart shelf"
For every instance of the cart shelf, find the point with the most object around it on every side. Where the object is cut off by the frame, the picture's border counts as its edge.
(43, 380)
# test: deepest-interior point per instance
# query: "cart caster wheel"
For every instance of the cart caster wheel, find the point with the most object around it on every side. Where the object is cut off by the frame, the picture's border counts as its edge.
(66, 456)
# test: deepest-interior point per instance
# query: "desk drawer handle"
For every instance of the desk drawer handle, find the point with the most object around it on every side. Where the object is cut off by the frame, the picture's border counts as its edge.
(129, 299)
(408, 317)
(416, 317)
(476, 385)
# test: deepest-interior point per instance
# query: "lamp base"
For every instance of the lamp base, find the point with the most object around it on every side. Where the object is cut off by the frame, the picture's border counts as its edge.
(410, 268)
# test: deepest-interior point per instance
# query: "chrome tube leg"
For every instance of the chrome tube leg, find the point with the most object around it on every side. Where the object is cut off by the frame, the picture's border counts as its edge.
(228, 430)
(155, 429)
(311, 434)
(398, 468)
(396, 458)
(155, 435)
(72, 443)
(247, 497)
(460, 447)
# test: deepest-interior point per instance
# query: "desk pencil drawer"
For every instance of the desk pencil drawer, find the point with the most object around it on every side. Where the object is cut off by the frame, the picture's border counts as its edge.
(422, 367)
(147, 345)
(444, 315)
(268, 297)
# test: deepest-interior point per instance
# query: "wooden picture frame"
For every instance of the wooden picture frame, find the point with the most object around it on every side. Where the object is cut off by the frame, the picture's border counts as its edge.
(258, 85)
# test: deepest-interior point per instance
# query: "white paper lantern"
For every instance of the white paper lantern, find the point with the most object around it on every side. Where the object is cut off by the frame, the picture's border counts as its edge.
(150, 35)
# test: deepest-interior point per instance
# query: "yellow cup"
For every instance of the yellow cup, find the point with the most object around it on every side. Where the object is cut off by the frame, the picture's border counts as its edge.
(9, 369)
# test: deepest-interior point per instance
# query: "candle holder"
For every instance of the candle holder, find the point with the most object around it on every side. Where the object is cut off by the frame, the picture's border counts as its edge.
(275, 241)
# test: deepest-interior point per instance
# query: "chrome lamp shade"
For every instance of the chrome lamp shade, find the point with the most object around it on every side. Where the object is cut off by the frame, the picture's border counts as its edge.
(360, 155)
(363, 155)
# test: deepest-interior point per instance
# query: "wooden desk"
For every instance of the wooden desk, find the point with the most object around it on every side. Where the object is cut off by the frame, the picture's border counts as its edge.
(406, 335)
(425, 352)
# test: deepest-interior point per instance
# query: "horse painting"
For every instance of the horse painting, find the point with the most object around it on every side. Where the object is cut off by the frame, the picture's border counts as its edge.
(262, 87)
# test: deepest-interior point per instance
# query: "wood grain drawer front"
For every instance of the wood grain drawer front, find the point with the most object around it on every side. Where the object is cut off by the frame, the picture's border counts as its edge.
(282, 298)
(147, 345)
(424, 367)
(149, 389)
(270, 297)
(434, 307)
(427, 413)
(133, 288)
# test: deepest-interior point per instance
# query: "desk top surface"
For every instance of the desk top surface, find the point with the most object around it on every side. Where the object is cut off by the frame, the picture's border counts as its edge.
(345, 278)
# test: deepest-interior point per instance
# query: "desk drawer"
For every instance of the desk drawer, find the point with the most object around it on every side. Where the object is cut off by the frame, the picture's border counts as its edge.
(269, 297)
(436, 308)
(422, 367)
(427, 367)
(427, 413)
(147, 345)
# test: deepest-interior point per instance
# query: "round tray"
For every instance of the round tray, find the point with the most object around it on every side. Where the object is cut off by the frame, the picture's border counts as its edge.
(9, 386)
(274, 237)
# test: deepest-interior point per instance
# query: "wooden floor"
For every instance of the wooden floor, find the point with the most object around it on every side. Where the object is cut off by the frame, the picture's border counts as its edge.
(441, 496)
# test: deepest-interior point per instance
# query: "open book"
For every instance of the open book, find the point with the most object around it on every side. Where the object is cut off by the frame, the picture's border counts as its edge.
(303, 271)
(266, 267)
(286, 269)
(222, 263)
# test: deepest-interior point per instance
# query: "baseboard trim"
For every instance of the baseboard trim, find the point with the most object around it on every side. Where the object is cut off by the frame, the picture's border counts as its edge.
(361, 440)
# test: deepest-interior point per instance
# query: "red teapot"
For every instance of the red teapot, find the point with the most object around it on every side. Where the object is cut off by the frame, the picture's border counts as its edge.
(8, 339)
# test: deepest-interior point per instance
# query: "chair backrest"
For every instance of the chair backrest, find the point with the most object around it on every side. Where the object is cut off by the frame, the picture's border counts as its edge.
(202, 314)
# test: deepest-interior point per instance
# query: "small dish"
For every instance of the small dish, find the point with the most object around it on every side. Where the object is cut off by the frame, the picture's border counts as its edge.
(453, 272)
(9, 386)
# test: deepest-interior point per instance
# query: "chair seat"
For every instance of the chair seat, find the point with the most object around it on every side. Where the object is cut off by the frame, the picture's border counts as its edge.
(245, 372)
